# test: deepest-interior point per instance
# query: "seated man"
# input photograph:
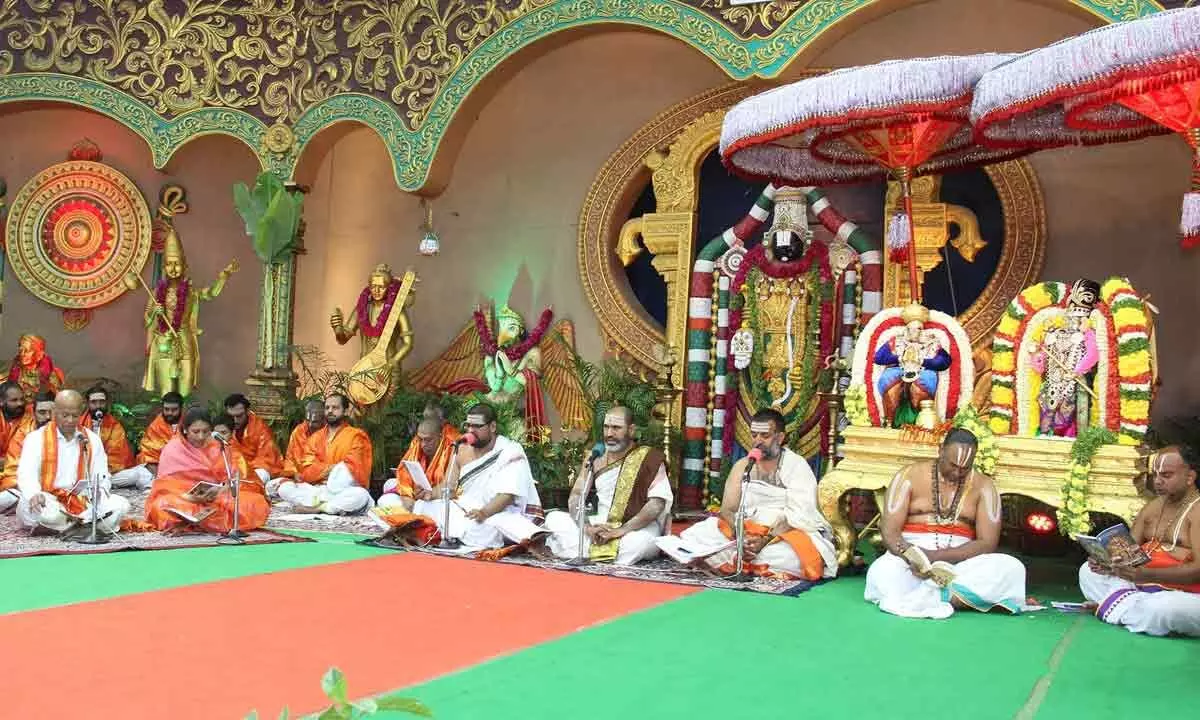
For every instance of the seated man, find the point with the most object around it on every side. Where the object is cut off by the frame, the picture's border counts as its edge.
(494, 494)
(111, 432)
(941, 554)
(175, 502)
(58, 462)
(633, 500)
(431, 447)
(335, 471)
(43, 409)
(314, 420)
(1162, 596)
(253, 439)
(160, 431)
(12, 412)
(785, 533)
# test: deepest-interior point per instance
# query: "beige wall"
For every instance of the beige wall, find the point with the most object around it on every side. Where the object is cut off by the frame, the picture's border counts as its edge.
(113, 344)
(508, 219)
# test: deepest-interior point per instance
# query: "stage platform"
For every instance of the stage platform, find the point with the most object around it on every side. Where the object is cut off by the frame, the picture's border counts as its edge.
(215, 632)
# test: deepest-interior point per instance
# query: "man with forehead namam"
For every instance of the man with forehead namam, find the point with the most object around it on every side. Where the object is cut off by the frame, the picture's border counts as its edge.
(941, 526)
(493, 501)
(1162, 596)
(633, 500)
(785, 533)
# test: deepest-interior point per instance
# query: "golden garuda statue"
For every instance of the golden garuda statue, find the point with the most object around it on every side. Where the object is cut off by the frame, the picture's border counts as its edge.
(385, 335)
(173, 322)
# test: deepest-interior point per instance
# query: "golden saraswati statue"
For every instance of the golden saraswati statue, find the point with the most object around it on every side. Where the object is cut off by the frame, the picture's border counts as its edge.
(172, 321)
(385, 334)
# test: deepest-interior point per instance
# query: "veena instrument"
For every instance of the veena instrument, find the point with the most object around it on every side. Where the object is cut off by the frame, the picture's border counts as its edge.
(371, 376)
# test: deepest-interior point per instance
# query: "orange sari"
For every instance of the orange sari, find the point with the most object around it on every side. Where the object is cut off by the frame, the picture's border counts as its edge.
(182, 466)
(297, 443)
(156, 437)
(116, 444)
(349, 445)
(435, 467)
(257, 445)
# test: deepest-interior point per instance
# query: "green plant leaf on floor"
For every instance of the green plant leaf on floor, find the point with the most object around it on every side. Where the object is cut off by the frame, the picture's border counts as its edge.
(367, 706)
(284, 714)
(403, 704)
(333, 684)
(335, 713)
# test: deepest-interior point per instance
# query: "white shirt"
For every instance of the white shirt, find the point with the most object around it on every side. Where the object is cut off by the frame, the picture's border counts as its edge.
(29, 468)
(509, 474)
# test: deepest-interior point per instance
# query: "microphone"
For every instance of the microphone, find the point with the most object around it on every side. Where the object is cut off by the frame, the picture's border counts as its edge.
(220, 437)
(752, 458)
(468, 438)
(597, 450)
(97, 414)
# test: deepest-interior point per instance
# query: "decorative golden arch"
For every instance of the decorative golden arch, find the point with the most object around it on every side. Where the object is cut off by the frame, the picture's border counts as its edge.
(689, 131)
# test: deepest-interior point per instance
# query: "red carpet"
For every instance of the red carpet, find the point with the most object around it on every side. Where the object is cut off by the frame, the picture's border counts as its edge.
(387, 622)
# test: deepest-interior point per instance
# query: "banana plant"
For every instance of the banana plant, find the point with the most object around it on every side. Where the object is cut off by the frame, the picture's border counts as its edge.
(272, 216)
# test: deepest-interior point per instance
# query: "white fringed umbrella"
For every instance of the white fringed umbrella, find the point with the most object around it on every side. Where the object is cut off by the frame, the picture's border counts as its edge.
(901, 118)
(1116, 83)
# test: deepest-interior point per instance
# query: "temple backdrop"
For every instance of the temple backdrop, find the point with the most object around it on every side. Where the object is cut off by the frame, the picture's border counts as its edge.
(508, 219)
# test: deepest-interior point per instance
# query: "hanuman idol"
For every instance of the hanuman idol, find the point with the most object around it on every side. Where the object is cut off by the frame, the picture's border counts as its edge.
(1064, 358)
(172, 323)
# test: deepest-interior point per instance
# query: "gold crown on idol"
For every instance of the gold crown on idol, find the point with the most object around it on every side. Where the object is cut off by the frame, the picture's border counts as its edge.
(507, 313)
(382, 270)
(791, 212)
(914, 312)
(173, 248)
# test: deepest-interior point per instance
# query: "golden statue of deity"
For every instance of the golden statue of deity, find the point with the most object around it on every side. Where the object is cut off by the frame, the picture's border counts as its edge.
(33, 369)
(385, 334)
(172, 322)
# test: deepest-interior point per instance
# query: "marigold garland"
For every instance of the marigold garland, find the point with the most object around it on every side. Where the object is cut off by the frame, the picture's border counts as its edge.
(989, 450)
(1073, 517)
(855, 403)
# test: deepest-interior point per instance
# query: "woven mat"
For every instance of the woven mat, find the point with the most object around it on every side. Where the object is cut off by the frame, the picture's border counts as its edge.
(662, 570)
(282, 519)
(16, 541)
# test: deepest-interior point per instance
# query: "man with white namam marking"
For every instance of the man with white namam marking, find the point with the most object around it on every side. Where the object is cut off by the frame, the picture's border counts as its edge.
(941, 526)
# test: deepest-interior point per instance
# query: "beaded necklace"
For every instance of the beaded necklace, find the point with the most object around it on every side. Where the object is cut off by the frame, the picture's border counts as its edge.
(949, 515)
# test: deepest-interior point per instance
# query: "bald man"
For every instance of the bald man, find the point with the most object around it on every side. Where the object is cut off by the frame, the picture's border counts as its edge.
(1160, 597)
(54, 459)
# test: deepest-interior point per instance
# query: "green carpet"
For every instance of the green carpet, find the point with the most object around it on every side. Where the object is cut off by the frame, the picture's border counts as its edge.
(46, 581)
(824, 654)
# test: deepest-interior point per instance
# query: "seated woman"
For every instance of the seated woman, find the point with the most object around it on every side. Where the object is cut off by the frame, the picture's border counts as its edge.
(179, 499)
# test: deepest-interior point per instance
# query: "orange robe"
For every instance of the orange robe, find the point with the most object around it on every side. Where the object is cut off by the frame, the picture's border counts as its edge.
(435, 467)
(257, 445)
(156, 437)
(350, 446)
(296, 447)
(9, 427)
(181, 466)
(13, 452)
(1161, 558)
(116, 444)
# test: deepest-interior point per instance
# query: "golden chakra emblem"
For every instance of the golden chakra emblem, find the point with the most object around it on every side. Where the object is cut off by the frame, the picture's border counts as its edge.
(74, 231)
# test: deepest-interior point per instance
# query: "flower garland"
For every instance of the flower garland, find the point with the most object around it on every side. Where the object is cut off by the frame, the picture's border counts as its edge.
(487, 341)
(855, 404)
(363, 313)
(1012, 328)
(1132, 384)
(1073, 517)
(181, 298)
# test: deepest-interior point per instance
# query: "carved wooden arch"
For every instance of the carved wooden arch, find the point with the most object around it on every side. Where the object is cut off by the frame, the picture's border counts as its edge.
(670, 149)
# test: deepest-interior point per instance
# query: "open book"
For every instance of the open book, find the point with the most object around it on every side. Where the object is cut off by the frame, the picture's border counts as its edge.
(193, 519)
(941, 572)
(675, 548)
(418, 475)
(1114, 546)
(203, 492)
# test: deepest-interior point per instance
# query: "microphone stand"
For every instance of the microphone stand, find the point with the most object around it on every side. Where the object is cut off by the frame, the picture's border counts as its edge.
(740, 533)
(448, 543)
(581, 514)
(94, 536)
(234, 536)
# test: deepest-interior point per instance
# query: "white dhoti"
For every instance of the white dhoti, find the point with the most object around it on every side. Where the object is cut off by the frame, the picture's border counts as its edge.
(138, 476)
(263, 476)
(632, 547)
(338, 495)
(54, 517)
(503, 471)
(1142, 610)
(766, 504)
(9, 499)
(390, 498)
(983, 582)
